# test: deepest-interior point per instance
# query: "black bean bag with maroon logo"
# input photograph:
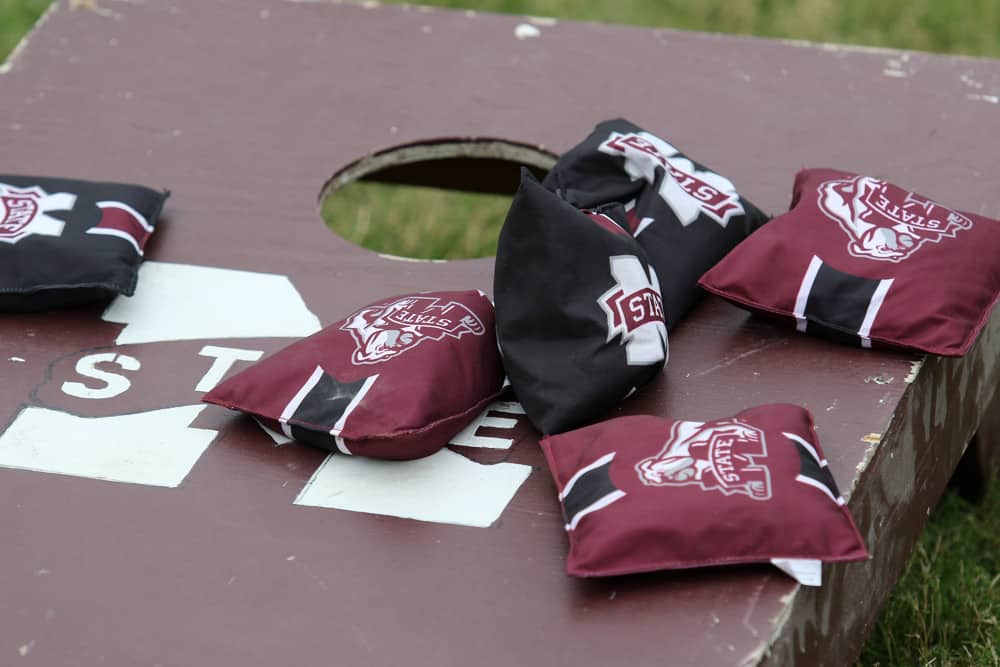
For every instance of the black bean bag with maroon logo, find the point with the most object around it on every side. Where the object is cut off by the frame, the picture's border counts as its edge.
(66, 242)
(862, 261)
(643, 493)
(685, 216)
(579, 312)
(396, 379)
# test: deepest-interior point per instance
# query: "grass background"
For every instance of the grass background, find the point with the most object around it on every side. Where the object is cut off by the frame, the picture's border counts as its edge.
(945, 611)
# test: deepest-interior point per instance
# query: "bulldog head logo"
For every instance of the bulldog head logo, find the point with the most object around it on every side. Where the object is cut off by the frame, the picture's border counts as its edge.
(885, 222)
(384, 332)
(24, 211)
(721, 455)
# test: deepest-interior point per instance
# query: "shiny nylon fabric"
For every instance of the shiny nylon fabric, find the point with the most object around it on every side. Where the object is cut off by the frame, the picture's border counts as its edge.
(67, 242)
(396, 379)
(936, 292)
(685, 216)
(743, 506)
(558, 301)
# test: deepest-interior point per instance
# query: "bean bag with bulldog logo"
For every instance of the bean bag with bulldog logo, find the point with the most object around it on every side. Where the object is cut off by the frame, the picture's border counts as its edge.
(394, 380)
(66, 242)
(643, 493)
(685, 216)
(579, 312)
(861, 260)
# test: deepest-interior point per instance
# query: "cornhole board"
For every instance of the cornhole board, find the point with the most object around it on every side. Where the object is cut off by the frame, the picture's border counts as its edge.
(142, 528)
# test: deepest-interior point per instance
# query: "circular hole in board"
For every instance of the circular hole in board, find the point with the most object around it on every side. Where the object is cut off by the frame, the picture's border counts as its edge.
(440, 200)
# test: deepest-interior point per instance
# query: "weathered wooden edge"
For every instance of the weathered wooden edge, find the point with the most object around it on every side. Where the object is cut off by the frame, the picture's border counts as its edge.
(943, 407)
(980, 464)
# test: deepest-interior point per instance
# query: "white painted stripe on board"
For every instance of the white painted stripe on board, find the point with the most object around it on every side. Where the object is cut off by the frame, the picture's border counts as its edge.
(185, 302)
(224, 358)
(156, 448)
(444, 488)
(468, 437)
(278, 438)
(510, 407)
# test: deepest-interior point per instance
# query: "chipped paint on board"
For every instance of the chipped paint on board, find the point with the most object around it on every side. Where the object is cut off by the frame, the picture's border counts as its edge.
(91, 5)
(873, 440)
(915, 367)
(839, 48)
(399, 258)
(546, 21)
(970, 82)
(895, 67)
(865, 461)
(526, 31)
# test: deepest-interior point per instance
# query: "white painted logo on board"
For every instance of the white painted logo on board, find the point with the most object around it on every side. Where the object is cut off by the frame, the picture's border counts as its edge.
(159, 447)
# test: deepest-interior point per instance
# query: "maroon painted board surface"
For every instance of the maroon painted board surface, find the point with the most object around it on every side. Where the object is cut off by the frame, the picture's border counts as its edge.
(244, 110)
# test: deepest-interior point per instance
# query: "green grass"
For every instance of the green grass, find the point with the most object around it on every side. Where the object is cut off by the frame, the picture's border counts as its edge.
(945, 611)
(416, 222)
(949, 26)
(16, 16)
